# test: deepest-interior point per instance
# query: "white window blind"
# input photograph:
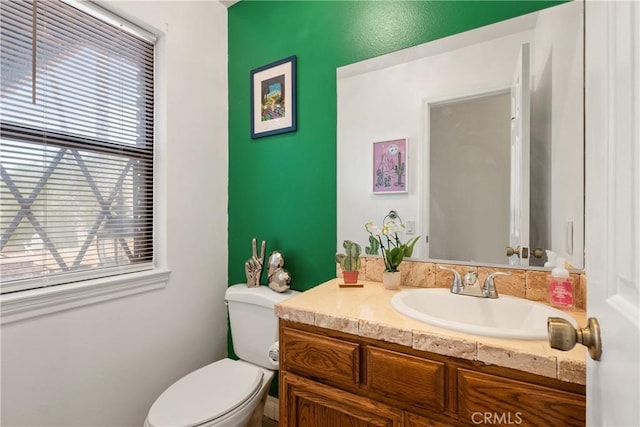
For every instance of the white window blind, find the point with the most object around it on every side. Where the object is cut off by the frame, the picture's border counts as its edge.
(76, 146)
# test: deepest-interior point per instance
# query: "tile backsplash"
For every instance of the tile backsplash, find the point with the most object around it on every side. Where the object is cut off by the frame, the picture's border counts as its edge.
(529, 284)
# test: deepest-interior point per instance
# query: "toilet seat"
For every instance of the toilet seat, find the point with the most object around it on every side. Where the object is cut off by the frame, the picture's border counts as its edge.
(206, 394)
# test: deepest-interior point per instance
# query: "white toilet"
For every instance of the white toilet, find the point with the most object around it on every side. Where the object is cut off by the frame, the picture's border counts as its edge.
(229, 392)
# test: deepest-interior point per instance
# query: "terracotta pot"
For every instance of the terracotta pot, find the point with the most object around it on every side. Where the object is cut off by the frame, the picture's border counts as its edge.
(391, 279)
(350, 276)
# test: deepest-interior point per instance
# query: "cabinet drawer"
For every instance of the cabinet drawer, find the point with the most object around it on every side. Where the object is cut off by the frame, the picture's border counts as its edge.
(321, 357)
(312, 404)
(407, 378)
(488, 397)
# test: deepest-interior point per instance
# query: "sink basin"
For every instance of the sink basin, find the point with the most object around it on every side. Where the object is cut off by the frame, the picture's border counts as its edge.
(503, 317)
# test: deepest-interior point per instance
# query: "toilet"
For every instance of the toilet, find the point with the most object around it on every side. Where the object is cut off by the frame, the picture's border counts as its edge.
(229, 393)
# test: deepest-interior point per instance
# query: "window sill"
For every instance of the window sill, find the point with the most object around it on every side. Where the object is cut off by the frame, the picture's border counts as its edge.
(38, 302)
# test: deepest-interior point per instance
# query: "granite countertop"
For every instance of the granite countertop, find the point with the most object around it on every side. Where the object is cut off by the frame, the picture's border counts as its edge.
(367, 312)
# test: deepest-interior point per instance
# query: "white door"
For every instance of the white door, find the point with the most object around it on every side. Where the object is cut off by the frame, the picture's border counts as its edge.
(612, 245)
(520, 123)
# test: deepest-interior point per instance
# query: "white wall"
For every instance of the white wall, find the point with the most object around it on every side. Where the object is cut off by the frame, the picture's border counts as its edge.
(104, 364)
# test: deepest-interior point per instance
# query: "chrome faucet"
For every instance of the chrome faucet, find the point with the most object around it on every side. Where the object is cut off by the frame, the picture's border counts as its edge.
(469, 285)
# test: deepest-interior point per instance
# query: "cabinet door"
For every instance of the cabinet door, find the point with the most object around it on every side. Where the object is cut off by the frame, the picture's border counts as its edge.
(413, 420)
(306, 403)
(484, 398)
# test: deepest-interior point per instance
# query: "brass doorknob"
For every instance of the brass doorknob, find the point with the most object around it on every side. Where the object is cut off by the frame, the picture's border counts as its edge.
(563, 336)
(537, 252)
(511, 251)
(521, 252)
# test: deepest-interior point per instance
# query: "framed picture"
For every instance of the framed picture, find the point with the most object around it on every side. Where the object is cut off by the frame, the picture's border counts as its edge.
(390, 166)
(273, 98)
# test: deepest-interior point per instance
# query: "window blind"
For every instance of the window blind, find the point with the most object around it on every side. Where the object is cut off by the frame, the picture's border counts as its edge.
(76, 146)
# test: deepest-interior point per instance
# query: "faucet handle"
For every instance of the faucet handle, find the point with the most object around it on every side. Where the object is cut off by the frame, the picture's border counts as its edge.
(456, 286)
(489, 289)
(470, 278)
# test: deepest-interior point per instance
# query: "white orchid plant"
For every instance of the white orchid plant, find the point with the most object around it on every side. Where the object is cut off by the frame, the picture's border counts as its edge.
(393, 250)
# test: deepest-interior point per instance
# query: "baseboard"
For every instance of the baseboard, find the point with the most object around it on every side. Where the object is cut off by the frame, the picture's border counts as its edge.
(272, 408)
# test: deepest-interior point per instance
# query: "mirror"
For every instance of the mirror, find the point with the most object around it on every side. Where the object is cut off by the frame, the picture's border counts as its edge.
(494, 158)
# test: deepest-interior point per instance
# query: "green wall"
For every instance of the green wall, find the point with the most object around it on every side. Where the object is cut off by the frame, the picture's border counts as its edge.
(282, 188)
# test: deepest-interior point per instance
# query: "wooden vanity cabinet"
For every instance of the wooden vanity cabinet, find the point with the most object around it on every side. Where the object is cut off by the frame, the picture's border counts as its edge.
(329, 378)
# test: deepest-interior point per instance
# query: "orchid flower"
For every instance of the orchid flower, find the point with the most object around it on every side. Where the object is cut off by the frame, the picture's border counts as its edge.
(392, 248)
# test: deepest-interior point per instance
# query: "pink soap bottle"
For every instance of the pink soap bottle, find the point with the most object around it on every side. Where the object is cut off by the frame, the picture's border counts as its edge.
(561, 287)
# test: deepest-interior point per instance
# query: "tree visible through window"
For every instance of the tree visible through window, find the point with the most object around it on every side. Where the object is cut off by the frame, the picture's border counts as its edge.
(76, 146)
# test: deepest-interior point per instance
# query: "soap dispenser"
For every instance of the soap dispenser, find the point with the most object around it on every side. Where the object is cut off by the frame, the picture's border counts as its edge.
(561, 287)
(552, 257)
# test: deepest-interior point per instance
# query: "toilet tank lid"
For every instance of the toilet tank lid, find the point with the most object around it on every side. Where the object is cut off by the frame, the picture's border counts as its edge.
(261, 295)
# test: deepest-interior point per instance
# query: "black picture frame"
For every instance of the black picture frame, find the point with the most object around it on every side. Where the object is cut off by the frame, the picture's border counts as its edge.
(273, 98)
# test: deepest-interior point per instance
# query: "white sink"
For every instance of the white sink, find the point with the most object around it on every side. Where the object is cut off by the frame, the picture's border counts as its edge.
(503, 317)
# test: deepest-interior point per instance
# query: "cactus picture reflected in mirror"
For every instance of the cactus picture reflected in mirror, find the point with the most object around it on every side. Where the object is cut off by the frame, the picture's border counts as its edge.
(390, 166)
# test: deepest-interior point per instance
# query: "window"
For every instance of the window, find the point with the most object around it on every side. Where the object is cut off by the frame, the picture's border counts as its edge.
(76, 145)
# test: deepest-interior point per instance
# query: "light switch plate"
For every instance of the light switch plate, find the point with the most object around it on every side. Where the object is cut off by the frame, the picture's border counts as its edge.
(410, 227)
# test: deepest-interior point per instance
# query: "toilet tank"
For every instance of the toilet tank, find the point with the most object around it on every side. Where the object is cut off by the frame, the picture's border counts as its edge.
(254, 325)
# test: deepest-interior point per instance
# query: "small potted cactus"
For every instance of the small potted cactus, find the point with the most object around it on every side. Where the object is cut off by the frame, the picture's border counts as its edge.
(349, 261)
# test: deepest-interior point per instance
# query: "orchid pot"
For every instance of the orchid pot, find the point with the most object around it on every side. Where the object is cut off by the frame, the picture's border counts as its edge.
(391, 279)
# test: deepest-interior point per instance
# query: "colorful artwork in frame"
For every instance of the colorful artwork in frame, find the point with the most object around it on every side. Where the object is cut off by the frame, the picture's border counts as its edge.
(273, 98)
(390, 166)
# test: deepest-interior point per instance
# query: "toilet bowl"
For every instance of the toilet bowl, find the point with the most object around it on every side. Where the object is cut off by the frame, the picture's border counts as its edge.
(226, 393)
(229, 393)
